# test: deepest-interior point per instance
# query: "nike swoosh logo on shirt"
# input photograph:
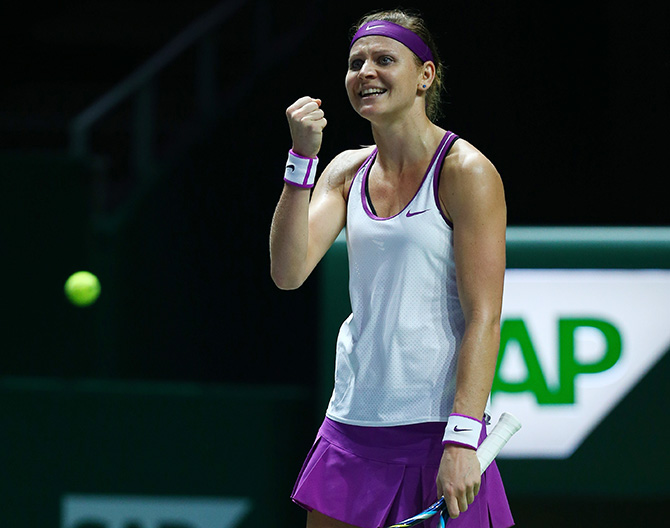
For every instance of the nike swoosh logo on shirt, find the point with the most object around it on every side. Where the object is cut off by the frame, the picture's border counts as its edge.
(410, 213)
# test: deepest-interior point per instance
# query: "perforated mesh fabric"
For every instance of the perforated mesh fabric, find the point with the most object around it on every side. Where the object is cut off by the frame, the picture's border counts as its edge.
(396, 354)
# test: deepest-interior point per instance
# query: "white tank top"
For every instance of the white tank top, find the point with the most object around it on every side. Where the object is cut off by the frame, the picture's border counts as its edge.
(396, 353)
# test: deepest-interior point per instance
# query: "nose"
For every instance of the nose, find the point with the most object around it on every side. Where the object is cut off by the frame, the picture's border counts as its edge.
(367, 70)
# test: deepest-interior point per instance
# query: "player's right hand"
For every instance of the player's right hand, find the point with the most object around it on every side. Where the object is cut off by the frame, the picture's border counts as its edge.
(458, 478)
(306, 121)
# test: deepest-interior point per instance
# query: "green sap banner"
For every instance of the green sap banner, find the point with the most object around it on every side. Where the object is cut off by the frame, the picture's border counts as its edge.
(584, 336)
(573, 344)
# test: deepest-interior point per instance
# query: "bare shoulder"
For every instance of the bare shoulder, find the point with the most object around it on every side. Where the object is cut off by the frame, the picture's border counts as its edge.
(339, 173)
(465, 160)
(468, 176)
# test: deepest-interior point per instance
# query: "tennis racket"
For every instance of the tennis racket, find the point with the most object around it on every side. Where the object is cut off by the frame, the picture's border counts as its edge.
(507, 425)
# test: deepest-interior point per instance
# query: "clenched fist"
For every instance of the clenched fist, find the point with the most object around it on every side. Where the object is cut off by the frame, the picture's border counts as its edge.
(306, 121)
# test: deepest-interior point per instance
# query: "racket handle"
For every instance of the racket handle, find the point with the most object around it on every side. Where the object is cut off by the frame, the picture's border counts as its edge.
(507, 425)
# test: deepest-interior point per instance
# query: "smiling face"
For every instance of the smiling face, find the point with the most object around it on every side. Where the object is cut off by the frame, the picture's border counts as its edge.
(383, 78)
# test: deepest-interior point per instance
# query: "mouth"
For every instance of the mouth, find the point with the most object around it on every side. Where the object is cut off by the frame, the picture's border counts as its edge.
(371, 92)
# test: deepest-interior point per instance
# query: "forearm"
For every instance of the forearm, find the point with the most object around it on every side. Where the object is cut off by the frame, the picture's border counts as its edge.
(458, 476)
(289, 233)
(289, 236)
(476, 366)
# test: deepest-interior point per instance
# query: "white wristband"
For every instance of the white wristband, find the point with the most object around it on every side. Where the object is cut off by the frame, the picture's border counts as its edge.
(300, 171)
(463, 431)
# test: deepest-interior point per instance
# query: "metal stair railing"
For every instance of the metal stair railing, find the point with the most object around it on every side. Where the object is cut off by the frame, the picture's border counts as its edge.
(138, 82)
(245, 27)
(140, 89)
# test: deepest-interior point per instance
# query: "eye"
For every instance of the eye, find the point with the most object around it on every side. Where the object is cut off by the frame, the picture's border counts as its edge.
(355, 64)
(385, 60)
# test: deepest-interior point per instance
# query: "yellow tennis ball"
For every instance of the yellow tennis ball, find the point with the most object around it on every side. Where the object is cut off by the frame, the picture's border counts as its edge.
(82, 288)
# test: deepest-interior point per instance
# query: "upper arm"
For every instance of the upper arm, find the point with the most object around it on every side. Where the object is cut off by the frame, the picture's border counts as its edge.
(474, 198)
(328, 205)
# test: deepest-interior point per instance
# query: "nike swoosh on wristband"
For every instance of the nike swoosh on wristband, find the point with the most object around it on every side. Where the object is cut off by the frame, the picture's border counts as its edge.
(290, 167)
(457, 430)
(410, 213)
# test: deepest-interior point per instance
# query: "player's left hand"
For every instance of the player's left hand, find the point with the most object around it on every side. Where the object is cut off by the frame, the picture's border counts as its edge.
(458, 478)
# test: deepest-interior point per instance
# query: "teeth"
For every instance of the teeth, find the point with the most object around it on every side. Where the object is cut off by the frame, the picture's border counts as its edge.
(372, 91)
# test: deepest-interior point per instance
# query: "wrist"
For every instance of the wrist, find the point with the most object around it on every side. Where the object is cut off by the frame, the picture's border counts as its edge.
(300, 170)
(462, 431)
(303, 153)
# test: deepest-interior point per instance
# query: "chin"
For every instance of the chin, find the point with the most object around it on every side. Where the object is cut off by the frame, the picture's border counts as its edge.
(369, 111)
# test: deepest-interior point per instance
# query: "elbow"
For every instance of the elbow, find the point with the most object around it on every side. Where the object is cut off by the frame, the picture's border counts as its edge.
(287, 285)
(285, 281)
(485, 319)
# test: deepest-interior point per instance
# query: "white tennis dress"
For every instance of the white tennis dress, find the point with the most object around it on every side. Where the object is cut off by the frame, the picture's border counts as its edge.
(396, 353)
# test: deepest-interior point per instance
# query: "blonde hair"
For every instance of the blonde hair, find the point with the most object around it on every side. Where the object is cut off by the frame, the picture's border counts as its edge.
(415, 23)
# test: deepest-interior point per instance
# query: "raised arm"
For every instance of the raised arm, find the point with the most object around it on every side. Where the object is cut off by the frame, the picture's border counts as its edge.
(302, 228)
(474, 199)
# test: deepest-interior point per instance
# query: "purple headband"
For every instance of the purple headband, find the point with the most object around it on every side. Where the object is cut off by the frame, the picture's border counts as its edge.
(403, 35)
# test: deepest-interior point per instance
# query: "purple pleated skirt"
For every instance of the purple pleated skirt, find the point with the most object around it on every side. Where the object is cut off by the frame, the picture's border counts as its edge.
(373, 477)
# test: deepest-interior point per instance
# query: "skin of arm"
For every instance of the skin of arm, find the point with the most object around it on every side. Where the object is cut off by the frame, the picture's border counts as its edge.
(304, 226)
(472, 196)
(303, 229)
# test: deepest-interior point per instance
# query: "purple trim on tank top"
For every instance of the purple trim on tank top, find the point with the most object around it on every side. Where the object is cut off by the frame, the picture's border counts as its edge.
(374, 151)
(436, 180)
(364, 178)
(447, 136)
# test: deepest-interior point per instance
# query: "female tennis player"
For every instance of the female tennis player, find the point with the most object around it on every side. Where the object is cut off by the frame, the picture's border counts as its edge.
(425, 219)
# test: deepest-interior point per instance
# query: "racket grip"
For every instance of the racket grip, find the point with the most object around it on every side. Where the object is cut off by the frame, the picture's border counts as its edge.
(507, 425)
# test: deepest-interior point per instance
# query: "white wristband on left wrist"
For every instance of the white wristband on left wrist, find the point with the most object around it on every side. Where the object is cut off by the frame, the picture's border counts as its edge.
(463, 431)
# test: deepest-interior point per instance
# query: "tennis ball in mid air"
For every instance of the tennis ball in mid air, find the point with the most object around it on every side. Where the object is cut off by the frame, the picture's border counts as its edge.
(82, 288)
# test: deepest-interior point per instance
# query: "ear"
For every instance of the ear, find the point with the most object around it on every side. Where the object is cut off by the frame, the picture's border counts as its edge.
(427, 75)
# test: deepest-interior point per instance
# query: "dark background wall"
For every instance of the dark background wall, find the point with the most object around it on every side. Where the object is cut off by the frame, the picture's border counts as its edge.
(570, 103)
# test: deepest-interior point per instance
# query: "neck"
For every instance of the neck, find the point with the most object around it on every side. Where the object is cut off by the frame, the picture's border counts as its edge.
(405, 142)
